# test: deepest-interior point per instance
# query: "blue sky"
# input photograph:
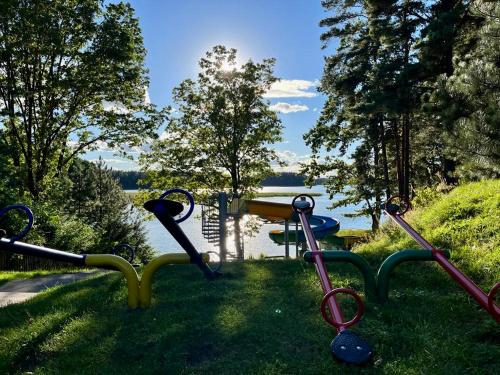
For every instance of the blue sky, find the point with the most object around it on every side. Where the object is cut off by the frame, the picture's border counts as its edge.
(177, 33)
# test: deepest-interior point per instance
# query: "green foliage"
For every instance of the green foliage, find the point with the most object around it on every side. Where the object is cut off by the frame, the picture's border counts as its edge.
(466, 221)
(72, 75)
(412, 97)
(475, 136)
(220, 138)
(97, 199)
(92, 216)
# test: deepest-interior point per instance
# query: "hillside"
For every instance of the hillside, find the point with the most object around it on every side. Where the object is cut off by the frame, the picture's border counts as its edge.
(466, 221)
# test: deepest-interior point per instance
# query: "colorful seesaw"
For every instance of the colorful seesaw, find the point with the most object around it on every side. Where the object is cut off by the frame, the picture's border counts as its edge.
(486, 301)
(139, 289)
(347, 346)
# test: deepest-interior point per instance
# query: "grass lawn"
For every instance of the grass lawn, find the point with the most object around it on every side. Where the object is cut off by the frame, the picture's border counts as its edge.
(261, 318)
(353, 232)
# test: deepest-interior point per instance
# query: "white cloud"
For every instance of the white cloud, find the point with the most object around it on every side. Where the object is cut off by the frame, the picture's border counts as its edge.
(117, 163)
(288, 108)
(292, 88)
(315, 109)
(292, 160)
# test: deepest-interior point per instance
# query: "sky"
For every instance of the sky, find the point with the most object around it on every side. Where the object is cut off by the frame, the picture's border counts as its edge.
(177, 33)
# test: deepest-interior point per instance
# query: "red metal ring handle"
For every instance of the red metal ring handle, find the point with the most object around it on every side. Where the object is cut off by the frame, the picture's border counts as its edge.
(494, 310)
(357, 316)
(405, 201)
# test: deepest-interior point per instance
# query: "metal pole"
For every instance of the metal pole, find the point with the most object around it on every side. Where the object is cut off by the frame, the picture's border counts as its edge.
(321, 270)
(296, 239)
(287, 242)
(222, 225)
(465, 282)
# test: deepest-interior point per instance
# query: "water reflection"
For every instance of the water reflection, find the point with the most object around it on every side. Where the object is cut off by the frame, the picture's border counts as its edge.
(260, 243)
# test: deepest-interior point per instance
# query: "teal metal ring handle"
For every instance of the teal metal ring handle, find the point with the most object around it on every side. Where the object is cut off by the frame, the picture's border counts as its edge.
(395, 209)
(219, 265)
(303, 205)
(127, 247)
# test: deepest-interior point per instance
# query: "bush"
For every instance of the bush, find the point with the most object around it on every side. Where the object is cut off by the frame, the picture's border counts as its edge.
(87, 212)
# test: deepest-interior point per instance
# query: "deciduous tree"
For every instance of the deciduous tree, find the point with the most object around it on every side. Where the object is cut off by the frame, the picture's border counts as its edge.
(71, 74)
(220, 139)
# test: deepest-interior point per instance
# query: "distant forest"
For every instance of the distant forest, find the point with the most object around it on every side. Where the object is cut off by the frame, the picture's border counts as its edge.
(128, 179)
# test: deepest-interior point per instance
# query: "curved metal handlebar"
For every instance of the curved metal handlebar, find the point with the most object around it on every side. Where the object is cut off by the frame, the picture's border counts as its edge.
(27, 228)
(188, 196)
(307, 208)
(394, 209)
(125, 246)
(357, 316)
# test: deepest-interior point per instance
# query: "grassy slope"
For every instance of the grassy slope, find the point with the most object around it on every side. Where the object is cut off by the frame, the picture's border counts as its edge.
(465, 221)
(262, 317)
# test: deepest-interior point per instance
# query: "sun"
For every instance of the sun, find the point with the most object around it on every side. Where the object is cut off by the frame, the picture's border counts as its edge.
(227, 66)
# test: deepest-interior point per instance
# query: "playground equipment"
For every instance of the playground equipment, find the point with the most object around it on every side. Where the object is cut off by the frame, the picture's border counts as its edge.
(127, 248)
(165, 210)
(139, 290)
(486, 301)
(323, 226)
(216, 214)
(347, 346)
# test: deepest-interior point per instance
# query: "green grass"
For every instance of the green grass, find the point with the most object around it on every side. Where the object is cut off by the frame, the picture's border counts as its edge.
(353, 232)
(262, 317)
(13, 275)
(466, 221)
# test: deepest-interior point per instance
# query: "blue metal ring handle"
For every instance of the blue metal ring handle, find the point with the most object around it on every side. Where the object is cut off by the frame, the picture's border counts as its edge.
(308, 209)
(20, 207)
(127, 247)
(188, 196)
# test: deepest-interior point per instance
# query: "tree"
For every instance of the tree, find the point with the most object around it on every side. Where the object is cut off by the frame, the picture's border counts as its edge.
(468, 99)
(396, 105)
(97, 199)
(71, 75)
(353, 123)
(219, 140)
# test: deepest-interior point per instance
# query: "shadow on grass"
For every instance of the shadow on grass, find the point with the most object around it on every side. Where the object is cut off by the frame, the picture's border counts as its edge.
(261, 317)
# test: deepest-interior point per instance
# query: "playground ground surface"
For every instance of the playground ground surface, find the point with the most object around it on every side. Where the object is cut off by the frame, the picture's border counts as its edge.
(6, 276)
(22, 289)
(262, 317)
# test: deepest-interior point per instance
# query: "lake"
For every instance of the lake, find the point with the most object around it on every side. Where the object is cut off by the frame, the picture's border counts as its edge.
(260, 243)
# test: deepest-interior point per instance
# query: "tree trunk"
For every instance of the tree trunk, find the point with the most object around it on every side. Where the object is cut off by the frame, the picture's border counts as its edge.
(385, 166)
(238, 239)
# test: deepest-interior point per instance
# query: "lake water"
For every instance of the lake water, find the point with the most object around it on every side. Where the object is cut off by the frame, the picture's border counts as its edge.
(260, 243)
